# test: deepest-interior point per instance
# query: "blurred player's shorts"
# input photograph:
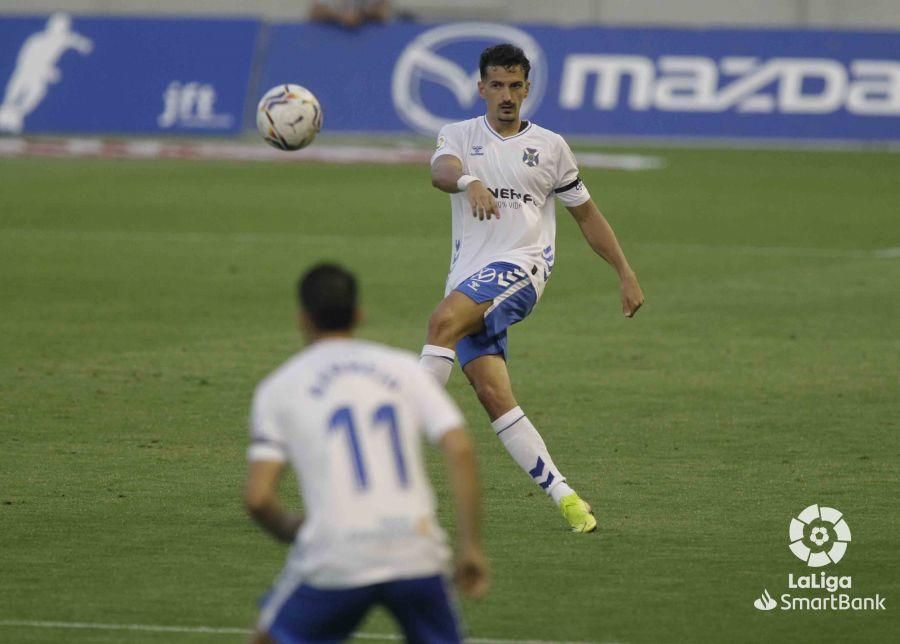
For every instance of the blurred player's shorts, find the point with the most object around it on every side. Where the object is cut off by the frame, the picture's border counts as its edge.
(423, 607)
(513, 297)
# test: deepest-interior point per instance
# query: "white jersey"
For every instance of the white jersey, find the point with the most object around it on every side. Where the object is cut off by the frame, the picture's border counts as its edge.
(523, 172)
(349, 416)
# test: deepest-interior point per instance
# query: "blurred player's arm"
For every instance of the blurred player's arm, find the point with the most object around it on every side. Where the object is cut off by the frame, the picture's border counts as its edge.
(601, 238)
(447, 175)
(472, 573)
(261, 501)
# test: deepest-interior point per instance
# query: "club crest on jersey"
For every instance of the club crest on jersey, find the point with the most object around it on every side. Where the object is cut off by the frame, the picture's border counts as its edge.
(530, 157)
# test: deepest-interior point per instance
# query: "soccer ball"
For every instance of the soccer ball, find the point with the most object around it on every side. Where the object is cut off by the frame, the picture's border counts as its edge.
(288, 117)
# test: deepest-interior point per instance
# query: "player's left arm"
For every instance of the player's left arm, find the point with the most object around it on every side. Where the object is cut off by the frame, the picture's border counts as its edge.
(601, 238)
(261, 500)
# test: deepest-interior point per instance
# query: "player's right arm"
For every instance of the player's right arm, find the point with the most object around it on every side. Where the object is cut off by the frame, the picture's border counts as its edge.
(261, 500)
(447, 175)
(267, 455)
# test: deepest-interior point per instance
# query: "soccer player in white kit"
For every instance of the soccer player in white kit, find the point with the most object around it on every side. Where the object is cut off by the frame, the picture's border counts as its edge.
(349, 416)
(503, 175)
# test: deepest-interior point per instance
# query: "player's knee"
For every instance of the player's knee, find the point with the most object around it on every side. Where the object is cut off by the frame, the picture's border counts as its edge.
(443, 327)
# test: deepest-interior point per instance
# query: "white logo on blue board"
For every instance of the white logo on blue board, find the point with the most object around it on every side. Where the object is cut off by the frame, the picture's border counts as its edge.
(423, 60)
(36, 69)
(192, 105)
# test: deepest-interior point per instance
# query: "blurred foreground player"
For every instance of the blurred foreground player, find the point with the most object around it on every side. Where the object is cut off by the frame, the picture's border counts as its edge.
(503, 174)
(349, 416)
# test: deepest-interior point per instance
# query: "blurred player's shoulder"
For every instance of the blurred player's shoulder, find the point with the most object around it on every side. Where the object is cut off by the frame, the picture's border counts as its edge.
(306, 364)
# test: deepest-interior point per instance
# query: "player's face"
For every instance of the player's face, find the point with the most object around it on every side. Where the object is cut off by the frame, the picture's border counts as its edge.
(504, 90)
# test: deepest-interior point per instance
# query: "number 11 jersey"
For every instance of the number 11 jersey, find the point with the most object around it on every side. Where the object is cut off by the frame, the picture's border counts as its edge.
(349, 416)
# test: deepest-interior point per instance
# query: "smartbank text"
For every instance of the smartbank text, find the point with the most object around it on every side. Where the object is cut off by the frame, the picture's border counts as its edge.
(831, 601)
(741, 83)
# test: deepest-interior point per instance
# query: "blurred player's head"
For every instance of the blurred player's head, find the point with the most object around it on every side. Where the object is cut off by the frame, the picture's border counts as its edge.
(328, 301)
(59, 22)
(504, 82)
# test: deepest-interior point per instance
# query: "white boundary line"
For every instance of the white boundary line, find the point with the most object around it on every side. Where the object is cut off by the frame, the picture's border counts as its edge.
(153, 628)
(257, 151)
(158, 628)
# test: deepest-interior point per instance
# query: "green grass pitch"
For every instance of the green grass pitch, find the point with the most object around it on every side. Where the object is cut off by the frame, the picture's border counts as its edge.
(142, 301)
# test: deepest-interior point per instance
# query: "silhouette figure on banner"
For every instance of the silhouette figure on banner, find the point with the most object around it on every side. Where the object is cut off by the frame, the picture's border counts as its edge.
(36, 68)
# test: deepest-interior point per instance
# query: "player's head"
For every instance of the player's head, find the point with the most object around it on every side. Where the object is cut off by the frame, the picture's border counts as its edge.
(504, 81)
(328, 300)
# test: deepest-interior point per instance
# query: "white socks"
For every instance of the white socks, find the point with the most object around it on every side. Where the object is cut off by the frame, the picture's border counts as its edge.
(525, 445)
(438, 361)
(518, 435)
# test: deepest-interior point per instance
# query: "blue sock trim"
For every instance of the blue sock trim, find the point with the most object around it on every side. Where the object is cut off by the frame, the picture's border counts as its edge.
(511, 424)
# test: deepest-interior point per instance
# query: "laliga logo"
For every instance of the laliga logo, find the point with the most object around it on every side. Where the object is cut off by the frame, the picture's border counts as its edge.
(819, 536)
(422, 61)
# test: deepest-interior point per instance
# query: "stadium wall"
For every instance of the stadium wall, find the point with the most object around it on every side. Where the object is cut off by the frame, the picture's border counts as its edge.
(78, 75)
(835, 14)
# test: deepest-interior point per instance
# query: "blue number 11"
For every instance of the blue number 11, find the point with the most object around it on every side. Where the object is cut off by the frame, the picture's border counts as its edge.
(342, 418)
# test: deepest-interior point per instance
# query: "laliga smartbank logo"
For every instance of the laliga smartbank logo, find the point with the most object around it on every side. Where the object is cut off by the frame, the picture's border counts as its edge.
(818, 536)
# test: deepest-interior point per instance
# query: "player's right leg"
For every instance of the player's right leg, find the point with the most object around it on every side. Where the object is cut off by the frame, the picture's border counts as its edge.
(454, 318)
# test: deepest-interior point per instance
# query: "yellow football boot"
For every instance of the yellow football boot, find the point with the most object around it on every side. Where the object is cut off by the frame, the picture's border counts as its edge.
(578, 513)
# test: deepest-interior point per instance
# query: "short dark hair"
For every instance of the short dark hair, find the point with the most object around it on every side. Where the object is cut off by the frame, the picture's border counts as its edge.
(327, 293)
(505, 55)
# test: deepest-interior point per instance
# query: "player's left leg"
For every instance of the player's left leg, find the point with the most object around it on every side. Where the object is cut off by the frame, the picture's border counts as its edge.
(490, 378)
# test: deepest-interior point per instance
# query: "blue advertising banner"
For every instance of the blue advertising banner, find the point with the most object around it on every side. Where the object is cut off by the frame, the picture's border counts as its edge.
(88, 74)
(631, 82)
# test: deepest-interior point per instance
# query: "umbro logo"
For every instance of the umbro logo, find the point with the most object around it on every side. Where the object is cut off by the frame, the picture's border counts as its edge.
(530, 157)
